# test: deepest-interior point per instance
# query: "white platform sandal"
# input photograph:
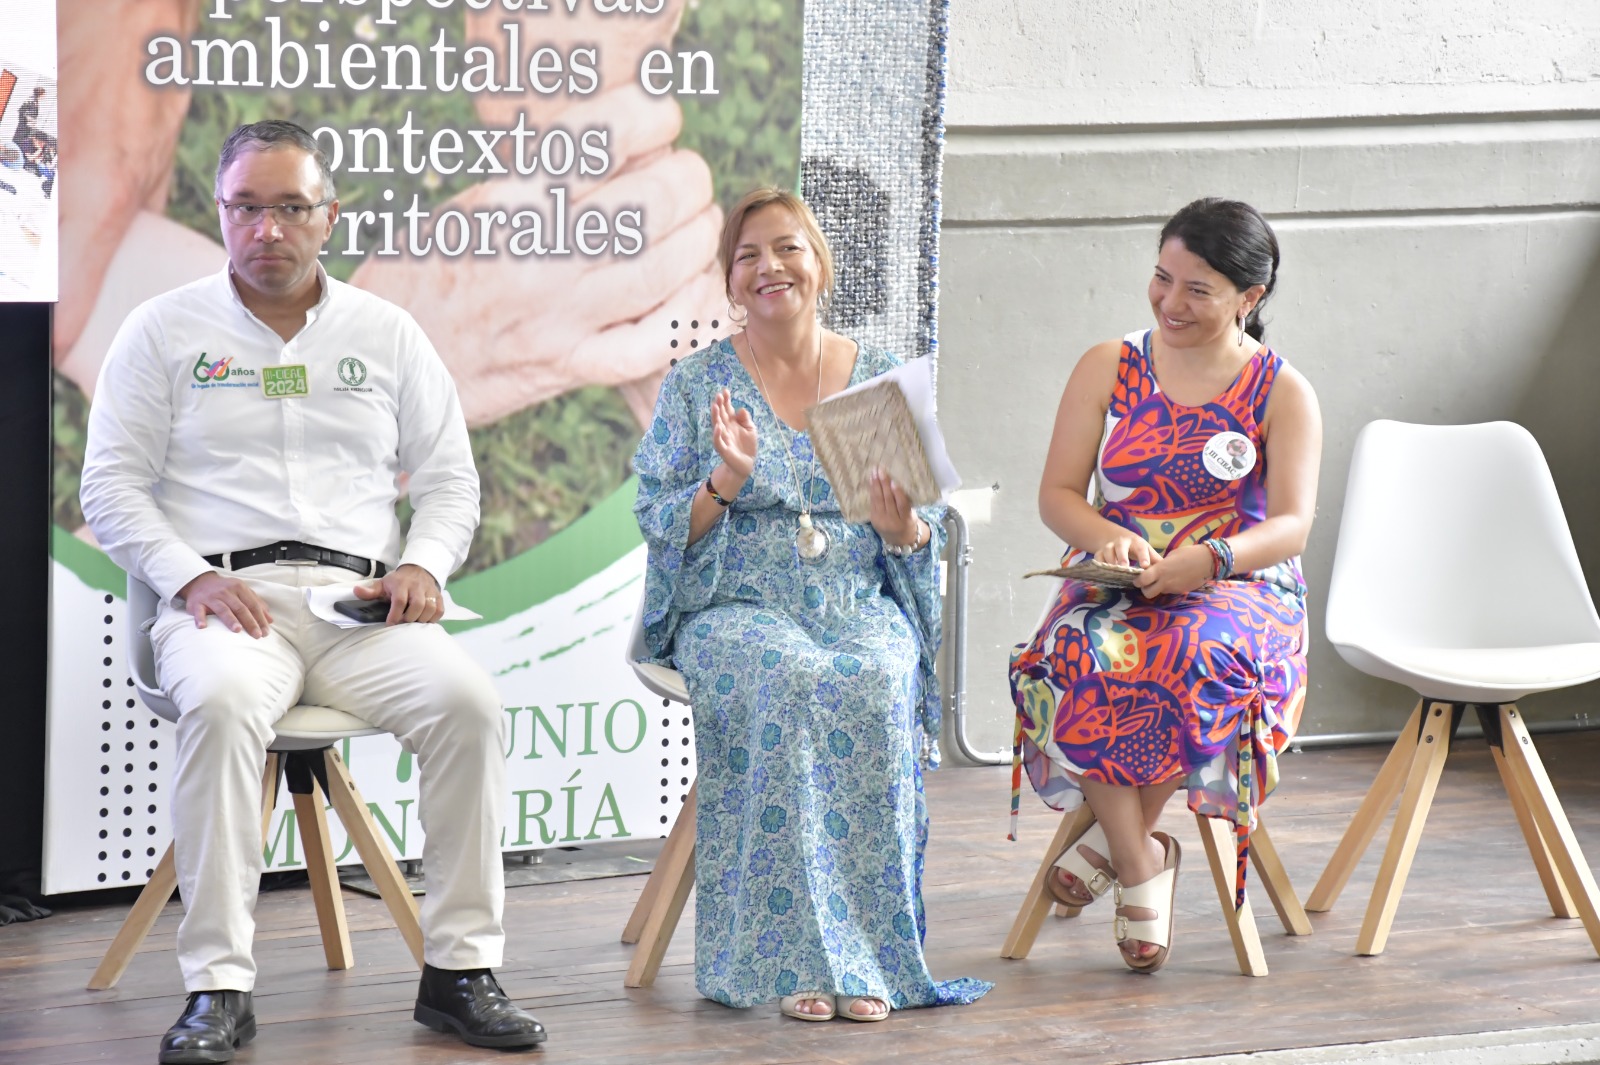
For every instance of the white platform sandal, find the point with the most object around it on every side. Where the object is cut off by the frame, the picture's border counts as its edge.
(845, 1006)
(1157, 896)
(789, 1006)
(1095, 879)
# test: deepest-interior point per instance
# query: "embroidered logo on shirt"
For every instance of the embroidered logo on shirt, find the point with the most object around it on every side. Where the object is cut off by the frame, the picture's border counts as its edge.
(352, 371)
(207, 374)
(352, 375)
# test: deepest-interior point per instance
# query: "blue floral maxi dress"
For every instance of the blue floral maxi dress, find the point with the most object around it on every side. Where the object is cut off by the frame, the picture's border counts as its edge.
(814, 703)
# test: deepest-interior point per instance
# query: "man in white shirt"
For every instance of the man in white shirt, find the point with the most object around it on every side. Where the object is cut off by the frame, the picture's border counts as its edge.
(246, 442)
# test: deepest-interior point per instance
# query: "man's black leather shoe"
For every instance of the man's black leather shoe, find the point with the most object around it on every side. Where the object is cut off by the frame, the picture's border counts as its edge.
(469, 1003)
(214, 1024)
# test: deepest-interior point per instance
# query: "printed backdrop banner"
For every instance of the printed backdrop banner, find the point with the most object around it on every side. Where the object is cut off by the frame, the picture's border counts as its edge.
(540, 183)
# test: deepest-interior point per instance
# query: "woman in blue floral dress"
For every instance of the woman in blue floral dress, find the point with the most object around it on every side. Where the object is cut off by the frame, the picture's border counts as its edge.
(807, 644)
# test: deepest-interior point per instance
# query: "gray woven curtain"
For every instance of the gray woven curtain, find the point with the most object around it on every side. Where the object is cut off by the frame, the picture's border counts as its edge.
(871, 144)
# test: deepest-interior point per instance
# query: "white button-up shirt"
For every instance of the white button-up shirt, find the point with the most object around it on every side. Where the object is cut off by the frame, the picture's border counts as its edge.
(187, 456)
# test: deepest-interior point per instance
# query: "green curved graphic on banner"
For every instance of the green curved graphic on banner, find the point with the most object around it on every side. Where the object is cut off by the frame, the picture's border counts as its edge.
(561, 563)
(89, 564)
(604, 534)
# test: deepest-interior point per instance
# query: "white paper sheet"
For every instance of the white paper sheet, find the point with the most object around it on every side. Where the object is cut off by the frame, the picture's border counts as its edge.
(321, 601)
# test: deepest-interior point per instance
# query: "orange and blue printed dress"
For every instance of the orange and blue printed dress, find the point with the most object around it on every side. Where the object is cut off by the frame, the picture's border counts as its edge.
(1207, 686)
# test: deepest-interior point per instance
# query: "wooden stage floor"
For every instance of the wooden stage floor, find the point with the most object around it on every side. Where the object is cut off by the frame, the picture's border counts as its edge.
(1474, 949)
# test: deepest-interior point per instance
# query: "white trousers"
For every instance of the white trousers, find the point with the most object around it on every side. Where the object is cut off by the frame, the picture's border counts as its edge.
(411, 680)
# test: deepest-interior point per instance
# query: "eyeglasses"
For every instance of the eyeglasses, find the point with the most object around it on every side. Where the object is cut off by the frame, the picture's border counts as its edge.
(285, 214)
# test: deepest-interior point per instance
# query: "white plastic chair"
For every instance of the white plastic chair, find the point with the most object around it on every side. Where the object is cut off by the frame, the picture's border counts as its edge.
(1218, 840)
(655, 916)
(303, 752)
(1456, 576)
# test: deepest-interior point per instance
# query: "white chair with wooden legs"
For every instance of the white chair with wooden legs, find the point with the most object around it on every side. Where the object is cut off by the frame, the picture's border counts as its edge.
(1456, 576)
(655, 916)
(303, 753)
(1218, 839)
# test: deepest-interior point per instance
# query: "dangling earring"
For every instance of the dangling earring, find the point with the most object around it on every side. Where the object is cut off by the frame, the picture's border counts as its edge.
(1242, 316)
(735, 319)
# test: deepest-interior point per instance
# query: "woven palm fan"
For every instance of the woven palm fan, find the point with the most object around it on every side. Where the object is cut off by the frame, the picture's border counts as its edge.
(1106, 573)
(857, 432)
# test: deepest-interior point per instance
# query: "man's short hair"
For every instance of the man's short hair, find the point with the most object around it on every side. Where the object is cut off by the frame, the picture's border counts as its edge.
(265, 136)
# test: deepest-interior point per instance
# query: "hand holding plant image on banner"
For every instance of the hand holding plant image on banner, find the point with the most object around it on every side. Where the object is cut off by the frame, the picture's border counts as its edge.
(541, 189)
(556, 353)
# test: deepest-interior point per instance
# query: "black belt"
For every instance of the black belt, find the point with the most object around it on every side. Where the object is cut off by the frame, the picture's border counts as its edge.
(294, 553)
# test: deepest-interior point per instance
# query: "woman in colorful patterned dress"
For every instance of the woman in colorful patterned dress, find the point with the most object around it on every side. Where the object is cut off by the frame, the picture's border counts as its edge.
(1202, 446)
(807, 644)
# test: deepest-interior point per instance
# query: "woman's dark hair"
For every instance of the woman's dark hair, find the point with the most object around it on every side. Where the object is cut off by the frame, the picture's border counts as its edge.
(1235, 241)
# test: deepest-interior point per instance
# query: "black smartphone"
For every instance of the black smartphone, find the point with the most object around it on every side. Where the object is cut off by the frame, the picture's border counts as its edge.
(363, 610)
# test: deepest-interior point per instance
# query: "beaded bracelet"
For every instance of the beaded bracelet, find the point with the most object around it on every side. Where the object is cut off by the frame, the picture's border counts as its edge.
(907, 550)
(713, 490)
(1221, 558)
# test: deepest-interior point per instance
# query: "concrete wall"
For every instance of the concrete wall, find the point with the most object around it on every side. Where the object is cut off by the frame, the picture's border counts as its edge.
(1432, 171)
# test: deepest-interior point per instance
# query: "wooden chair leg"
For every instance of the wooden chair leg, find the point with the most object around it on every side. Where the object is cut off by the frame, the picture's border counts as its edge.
(1554, 889)
(1025, 929)
(269, 791)
(136, 926)
(1369, 816)
(671, 895)
(1528, 772)
(158, 892)
(1275, 878)
(1421, 781)
(380, 864)
(680, 838)
(1217, 835)
(325, 891)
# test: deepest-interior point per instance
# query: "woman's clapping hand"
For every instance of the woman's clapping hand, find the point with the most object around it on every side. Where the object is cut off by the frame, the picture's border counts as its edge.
(733, 433)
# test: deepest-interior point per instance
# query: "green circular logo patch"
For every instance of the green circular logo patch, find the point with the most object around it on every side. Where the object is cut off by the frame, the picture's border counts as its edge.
(352, 371)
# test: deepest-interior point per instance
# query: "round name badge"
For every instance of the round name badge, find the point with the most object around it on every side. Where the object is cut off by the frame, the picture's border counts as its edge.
(1229, 456)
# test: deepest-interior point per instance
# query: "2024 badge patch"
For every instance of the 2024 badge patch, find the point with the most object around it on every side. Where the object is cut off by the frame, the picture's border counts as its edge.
(285, 382)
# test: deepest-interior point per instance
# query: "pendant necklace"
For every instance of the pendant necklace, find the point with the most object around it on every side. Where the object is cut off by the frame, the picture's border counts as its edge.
(810, 541)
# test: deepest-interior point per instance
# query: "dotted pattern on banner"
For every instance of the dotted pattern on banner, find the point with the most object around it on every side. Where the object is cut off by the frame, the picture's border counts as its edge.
(871, 142)
(131, 760)
(688, 335)
(676, 750)
(676, 757)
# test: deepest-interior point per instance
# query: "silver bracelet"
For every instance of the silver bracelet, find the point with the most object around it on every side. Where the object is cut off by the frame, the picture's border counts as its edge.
(906, 550)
